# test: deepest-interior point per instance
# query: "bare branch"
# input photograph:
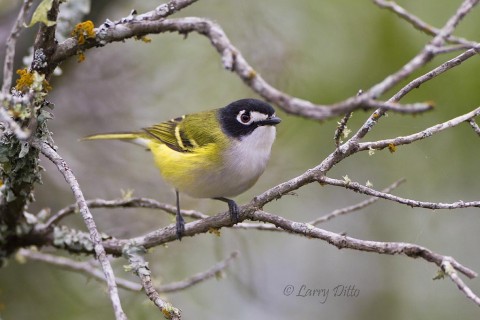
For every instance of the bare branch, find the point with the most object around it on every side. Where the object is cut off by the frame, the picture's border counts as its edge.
(475, 126)
(8, 70)
(358, 206)
(90, 269)
(64, 169)
(421, 59)
(232, 60)
(135, 255)
(449, 269)
(436, 72)
(345, 242)
(11, 42)
(381, 144)
(121, 203)
(84, 267)
(199, 277)
(412, 203)
(419, 23)
(168, 234)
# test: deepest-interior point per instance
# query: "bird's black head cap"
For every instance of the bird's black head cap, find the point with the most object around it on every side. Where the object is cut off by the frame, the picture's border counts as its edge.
(242, 117)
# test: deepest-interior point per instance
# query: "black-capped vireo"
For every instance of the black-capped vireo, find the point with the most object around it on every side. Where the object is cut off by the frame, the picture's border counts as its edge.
(215, 154)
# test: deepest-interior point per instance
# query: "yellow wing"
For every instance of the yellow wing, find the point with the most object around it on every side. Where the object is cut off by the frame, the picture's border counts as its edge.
(170, 134)
(186, 133)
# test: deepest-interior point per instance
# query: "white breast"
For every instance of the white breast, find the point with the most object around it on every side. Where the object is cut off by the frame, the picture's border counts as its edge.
(247, 160)
(244, 163)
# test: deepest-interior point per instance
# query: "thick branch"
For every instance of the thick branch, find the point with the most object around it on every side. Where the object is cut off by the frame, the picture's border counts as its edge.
(168, 234)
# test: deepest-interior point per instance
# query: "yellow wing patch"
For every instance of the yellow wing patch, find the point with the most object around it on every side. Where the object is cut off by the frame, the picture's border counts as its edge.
(172, 134)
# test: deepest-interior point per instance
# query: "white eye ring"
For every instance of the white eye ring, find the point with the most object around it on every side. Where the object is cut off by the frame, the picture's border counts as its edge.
(244, 118)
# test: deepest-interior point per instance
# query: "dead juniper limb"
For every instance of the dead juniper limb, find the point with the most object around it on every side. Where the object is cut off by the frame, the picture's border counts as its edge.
(64, 169)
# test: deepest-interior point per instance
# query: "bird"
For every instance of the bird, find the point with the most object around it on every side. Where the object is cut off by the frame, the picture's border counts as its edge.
(218, 153)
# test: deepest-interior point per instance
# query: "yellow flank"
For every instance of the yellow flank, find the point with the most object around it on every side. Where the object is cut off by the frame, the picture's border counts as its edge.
(185, 170)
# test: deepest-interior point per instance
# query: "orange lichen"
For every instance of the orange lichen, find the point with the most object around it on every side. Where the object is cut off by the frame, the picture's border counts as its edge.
(83, 31)
(375, 115)
(251, 74)
(144, 39)
(80, 56)
(214, 231)
(25, 81)
(392, 148)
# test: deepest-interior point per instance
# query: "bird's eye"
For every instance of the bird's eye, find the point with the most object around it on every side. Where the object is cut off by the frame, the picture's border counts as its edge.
(245, 118)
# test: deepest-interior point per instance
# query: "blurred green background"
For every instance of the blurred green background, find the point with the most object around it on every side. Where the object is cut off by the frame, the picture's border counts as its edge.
(323, 51)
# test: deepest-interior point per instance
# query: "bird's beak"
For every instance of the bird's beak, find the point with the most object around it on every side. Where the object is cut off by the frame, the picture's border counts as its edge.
(270, 121)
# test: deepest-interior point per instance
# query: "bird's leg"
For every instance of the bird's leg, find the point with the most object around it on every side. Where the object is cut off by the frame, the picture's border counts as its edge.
(180, 222)
(232, 208)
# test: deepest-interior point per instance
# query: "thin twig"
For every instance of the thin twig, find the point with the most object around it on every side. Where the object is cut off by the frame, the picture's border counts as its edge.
(419, 23)
(381, 144)
(135, 256)
(356, 207)
(199, 277)
(65, 170)
(91, 270)
(84, 267)
(475, 126)
(449, 269)
(355, 186)
(414, 84)
(421, 59)
(121, 203)
(11, 42)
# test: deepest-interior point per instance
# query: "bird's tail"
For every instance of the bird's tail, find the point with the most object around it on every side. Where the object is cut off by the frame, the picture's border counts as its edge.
(134, 137)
